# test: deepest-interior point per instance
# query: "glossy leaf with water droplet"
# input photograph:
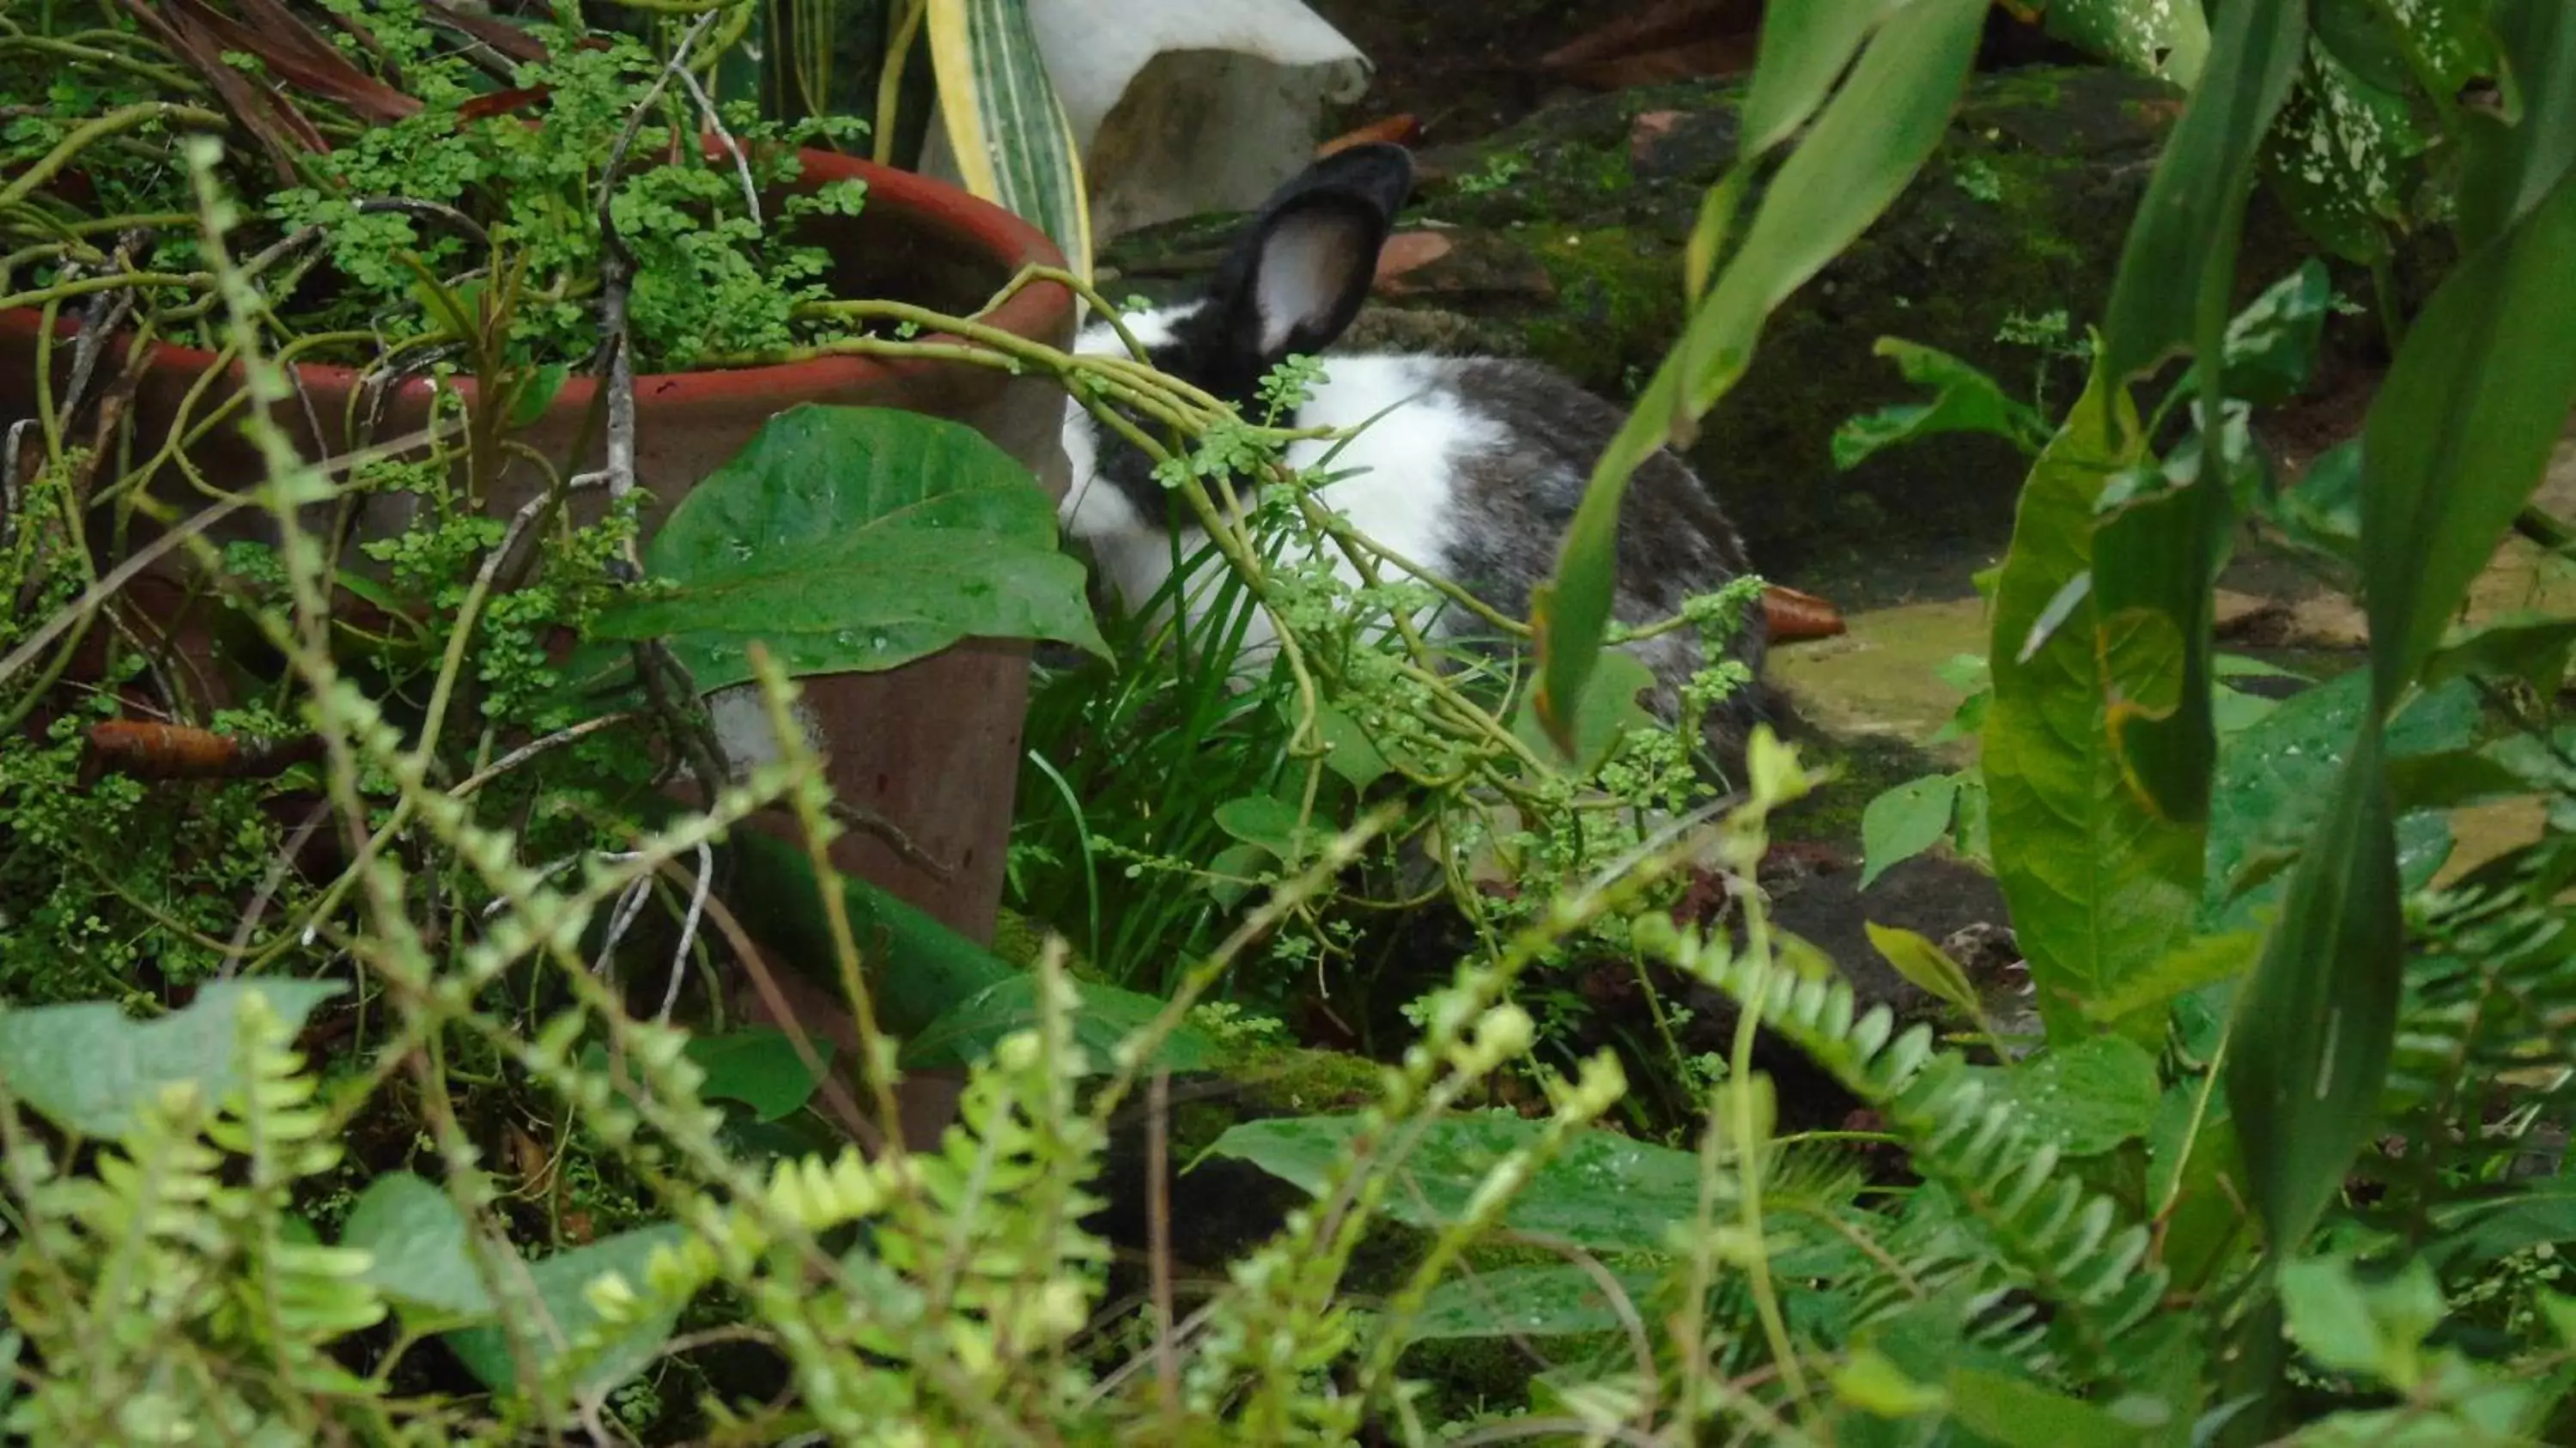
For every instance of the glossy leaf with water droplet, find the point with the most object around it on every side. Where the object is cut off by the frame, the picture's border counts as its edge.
(1603, 1192)
(1550, 1300)
(851, 540)
(2090, 1096)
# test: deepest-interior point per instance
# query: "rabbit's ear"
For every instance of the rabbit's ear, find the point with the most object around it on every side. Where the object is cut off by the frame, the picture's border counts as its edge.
(1298, 277)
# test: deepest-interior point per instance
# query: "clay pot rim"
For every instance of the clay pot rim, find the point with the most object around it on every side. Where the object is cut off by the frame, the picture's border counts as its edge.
(1036, 312)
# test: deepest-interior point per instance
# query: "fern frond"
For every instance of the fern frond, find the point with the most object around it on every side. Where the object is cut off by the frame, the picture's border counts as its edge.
(2485, 1052)
(2076, 1250)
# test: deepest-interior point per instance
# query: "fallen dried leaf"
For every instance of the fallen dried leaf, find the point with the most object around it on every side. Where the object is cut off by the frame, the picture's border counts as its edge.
(146, 750)
(1648, 128)
(1401, 128)
(502, 103)
(1666, 40)
(506, 38)
(1792, 616)
(302, 57)
(1406, 250)
(280, 129)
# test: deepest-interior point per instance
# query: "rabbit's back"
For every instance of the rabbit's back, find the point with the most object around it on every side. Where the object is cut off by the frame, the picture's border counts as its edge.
(1472, 467)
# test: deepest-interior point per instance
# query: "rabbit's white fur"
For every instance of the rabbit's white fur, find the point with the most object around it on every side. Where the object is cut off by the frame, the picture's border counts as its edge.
(1469, 468)
(1394, 478)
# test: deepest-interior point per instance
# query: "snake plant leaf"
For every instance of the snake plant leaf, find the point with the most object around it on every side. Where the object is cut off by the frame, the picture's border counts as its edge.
(1013, 145)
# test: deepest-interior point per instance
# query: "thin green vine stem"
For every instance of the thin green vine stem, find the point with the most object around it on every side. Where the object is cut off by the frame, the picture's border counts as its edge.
(167, 77)
(123, 118)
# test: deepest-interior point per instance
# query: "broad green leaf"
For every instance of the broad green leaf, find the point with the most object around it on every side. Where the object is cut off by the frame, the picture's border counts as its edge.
(2017, 1413)
(2383, 43)
(1608, 711)
(1266, 822)
(1965, 400)
(2167, 38)
(2455, 777)
(2271, 347)
(1348, 750)
(2532, 647)
(2513, 161)
(1604, 1192)
(2196, 1184)
(2314, 1024)
(1920, 961)
(2100, 888)
(2203, 961)
(1103, 1016)
(1006, 128)
(87, 1067)
(1554, 1300)
(535, 393)
(1870, 1381)
(851, 539)
(1867, 144)
(2245, 666)
(2352, 1327)
(2341, 157)
(917, 967)
(2180, 257)
(1802, 50)
(2090, 1096)
(1904, 822)
(1232, 870)
(759, 1067)
(2357, 34)
(2459, 432)
(2276, 779)
(562, 1284)
(2153, 563)
(2323, 509)
(2472, 1236)
(423, 1260)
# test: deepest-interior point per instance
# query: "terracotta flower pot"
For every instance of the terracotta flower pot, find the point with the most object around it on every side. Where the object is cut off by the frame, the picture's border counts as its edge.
(932, 746)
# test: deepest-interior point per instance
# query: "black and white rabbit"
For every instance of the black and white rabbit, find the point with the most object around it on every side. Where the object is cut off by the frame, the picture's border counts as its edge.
(1469, 467)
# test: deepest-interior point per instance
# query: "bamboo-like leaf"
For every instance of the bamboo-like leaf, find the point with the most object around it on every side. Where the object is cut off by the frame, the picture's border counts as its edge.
(2459, 433)
(2181, 253)
(1013, 144)
(2508, 168)
(2455, 442)
(1803, 48)
(1864, 148)
(2315, 1023)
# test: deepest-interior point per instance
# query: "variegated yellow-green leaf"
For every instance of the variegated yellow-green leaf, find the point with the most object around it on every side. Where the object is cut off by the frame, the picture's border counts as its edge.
(1013, 144)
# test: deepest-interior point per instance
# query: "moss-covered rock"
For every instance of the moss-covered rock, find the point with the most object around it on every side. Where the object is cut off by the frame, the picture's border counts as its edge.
(2001, 252)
